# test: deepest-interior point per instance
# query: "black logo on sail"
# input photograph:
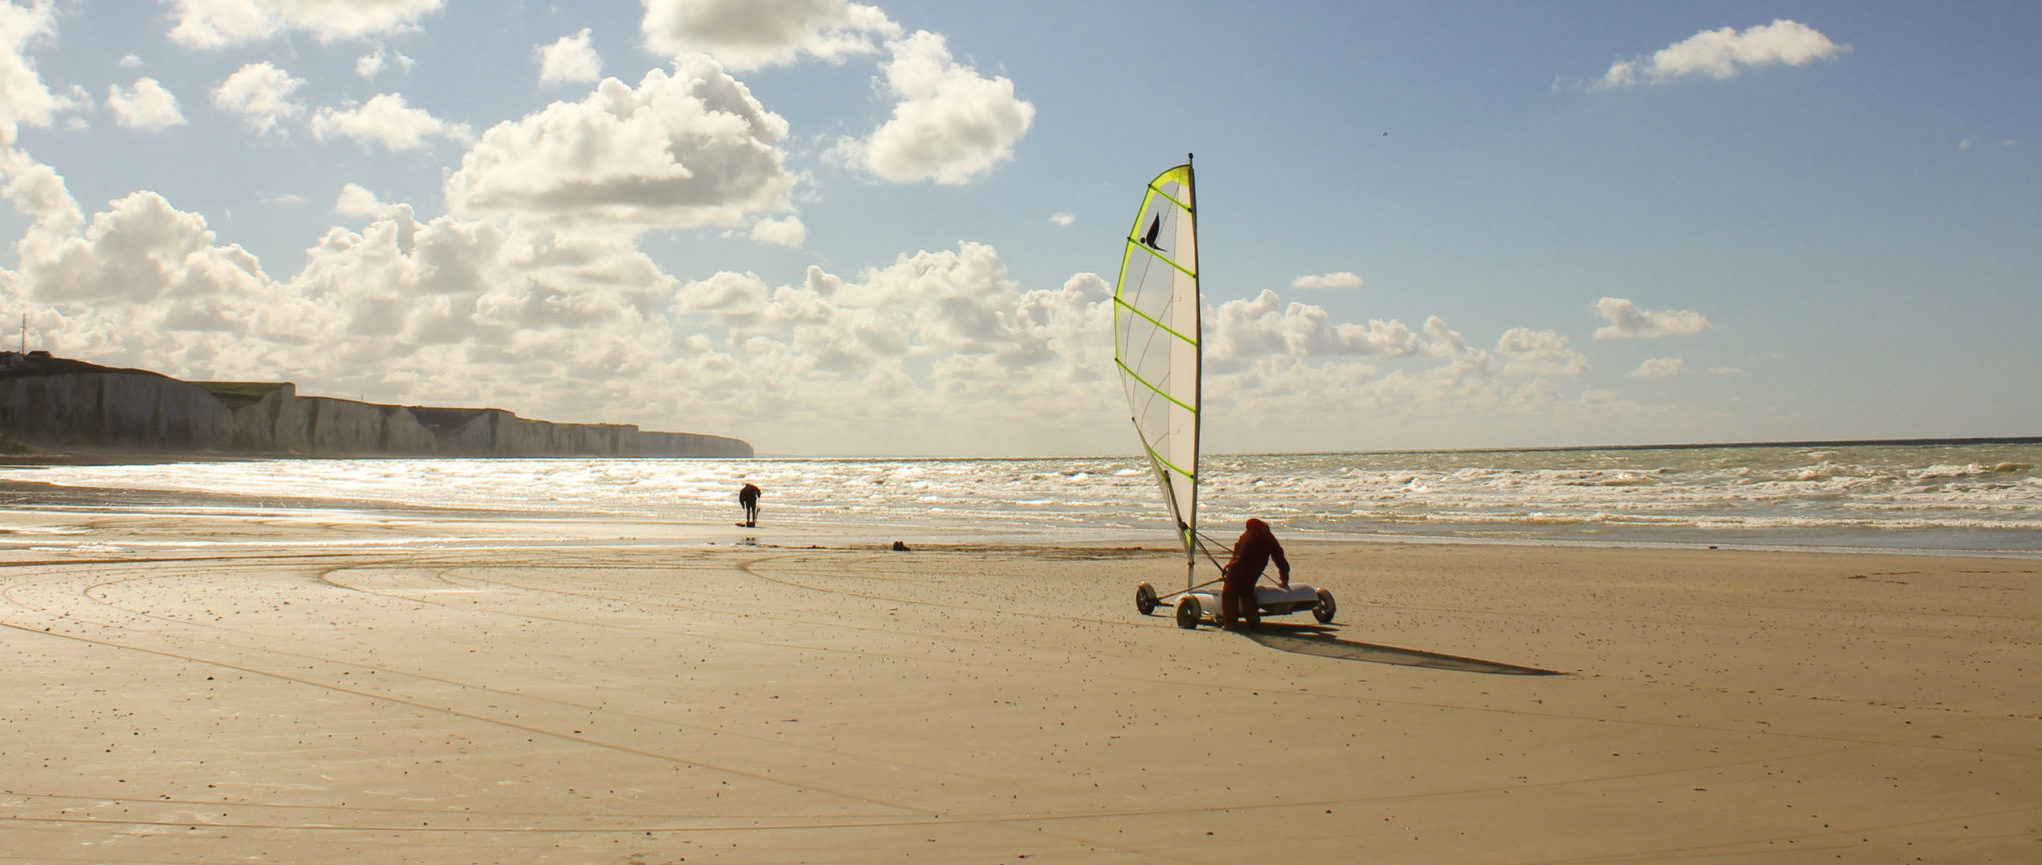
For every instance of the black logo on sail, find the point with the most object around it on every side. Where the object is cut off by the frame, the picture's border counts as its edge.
(1155, 228)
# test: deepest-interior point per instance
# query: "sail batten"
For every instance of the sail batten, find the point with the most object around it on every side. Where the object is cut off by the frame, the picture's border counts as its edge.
(1157, 334)
(1159, 325)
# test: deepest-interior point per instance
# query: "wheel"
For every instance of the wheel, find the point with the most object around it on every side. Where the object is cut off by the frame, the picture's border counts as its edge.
(1145, 599)
(1188, 612)
(1324, 611)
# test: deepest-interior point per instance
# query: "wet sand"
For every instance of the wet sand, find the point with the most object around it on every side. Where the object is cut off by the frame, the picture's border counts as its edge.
(242, 686)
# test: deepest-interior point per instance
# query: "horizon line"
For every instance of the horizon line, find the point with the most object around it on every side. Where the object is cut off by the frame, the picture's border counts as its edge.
(1949, 440)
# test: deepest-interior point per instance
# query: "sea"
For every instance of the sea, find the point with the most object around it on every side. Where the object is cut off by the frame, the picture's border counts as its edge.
(1974, 497)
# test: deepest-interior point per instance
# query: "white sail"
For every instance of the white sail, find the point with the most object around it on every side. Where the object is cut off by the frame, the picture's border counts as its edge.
(1156, 340)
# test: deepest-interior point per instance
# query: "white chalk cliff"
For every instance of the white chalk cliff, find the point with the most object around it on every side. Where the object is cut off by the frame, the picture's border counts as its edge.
(55, 403)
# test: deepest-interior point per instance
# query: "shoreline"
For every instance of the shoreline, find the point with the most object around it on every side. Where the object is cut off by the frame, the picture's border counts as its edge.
(23, 498)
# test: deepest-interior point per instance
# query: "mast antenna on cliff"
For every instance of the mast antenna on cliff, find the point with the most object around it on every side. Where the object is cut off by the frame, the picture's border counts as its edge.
(24, 334)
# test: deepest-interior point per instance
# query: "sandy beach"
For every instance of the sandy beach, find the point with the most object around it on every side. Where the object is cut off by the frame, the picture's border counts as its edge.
(237, 688)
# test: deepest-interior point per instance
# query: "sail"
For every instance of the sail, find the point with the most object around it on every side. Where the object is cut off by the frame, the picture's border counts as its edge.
(1156, 340)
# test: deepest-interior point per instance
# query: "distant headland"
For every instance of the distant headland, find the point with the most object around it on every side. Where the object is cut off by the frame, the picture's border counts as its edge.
(53, 404)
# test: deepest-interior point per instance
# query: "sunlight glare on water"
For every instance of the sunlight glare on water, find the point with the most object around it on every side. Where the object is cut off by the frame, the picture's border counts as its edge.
(1983, 497)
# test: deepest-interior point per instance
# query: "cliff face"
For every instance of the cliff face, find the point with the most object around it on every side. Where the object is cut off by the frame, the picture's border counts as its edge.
(63, 404)
(114, 409)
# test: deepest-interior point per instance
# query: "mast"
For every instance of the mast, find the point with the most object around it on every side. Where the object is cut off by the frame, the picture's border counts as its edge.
(1198, 381)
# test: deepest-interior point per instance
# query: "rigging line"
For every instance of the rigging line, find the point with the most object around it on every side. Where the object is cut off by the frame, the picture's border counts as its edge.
(1202, 548)
(1148, 342)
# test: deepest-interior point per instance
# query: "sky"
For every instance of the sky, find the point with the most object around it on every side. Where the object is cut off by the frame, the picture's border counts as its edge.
(839, 229)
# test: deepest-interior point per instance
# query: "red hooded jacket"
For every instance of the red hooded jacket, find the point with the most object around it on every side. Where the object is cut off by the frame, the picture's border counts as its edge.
(1252, 554)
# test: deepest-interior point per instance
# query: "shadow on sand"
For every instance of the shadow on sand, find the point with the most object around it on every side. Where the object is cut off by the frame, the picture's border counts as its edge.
(1319, 640)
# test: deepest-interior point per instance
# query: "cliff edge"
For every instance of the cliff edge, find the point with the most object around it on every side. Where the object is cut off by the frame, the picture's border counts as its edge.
(55, 403)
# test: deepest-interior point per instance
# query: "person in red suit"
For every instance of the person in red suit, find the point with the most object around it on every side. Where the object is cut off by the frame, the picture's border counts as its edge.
(1254, 551)
(748, 496)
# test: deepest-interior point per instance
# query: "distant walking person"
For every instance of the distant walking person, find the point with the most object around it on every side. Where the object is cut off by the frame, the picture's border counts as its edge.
(1252, 553)
(749, 497)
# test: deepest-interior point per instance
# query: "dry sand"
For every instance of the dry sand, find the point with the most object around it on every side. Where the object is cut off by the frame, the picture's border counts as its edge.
(580, 698)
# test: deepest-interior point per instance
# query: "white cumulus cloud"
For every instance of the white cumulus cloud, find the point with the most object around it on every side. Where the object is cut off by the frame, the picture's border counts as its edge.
(1538, 352)
(145, 284)
(146, 105)
(1265, 325)
(37, 191)
(952, 124)
(934, 352)
(1658, 367)
(681, 150)
(569, 60)
(1289, 373)
(373, 63)
(787, 231)
(749, 34)
(261, 94)
(943, 342)
(1343, 279)
(386, 120)
(1724, 52)
(354, 200)
(213, 24)
(450, 311)
(140, 248)
(1627, 321)
(23, 97)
